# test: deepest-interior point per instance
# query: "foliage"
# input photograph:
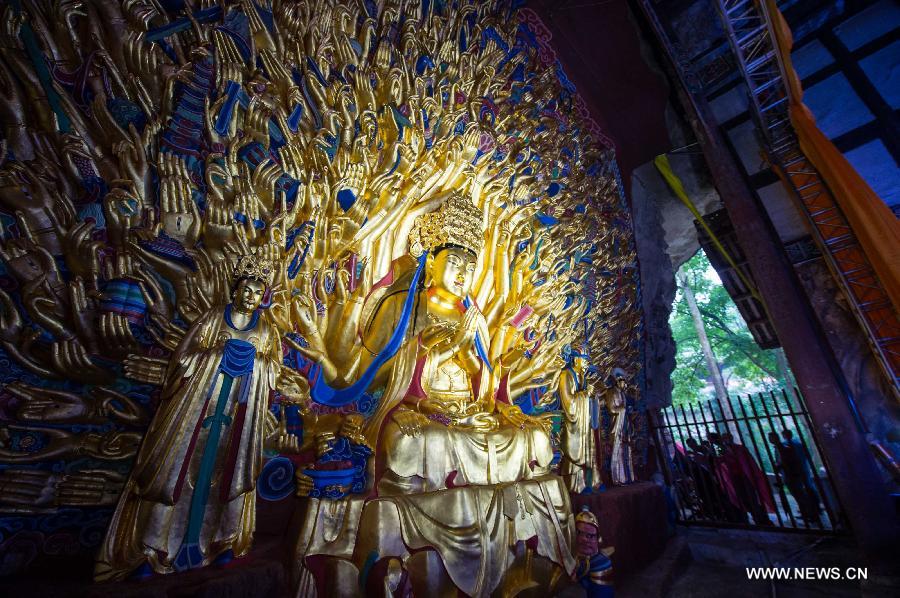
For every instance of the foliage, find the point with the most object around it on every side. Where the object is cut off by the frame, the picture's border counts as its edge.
(745, 366)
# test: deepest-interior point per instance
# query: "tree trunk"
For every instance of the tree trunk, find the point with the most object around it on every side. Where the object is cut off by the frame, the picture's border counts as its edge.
(786, 378)
(711, 363)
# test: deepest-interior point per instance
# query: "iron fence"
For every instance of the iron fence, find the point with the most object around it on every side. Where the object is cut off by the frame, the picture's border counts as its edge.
(748, 461)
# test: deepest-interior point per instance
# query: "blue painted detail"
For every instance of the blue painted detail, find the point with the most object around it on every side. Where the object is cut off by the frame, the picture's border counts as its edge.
(546, 219)
(183, 24)
(322, 393)
(126, 112)
(332, 484)
(124, 297)
(265, 16)
(479, 342)
(346, 198)
(294, 118)
(276, 480)
(232, 89)
(396, 163)
(424, 62)
(143, 572)
(401, 120)
(224, 558)
(297, 261)
(169, 248)
(189, 555)
(242, 218)
(373, 556)
(238, 357)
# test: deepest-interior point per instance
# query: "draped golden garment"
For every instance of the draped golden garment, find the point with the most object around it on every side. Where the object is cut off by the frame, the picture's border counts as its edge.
(474, 530)
(579, 439)
(476, 449)
(151, 518)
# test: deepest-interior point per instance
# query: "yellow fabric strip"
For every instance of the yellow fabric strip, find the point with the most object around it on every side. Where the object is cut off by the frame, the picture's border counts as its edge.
(665, 169)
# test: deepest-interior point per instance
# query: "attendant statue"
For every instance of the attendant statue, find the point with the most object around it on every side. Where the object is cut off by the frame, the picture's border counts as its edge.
(452, 422)
(580, 430)
(593, 569)
(191, 496)
(617, 403)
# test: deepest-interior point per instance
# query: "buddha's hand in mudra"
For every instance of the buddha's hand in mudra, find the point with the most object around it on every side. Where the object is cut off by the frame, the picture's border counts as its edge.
(409, 422)
(515, 417)
(472, 325)
(436, 335)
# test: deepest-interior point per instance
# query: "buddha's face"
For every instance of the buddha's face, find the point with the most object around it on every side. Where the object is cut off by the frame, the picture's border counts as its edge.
(248, 295)
(453, 271)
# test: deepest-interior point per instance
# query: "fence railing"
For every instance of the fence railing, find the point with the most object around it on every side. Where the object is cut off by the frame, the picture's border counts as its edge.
(748, 461)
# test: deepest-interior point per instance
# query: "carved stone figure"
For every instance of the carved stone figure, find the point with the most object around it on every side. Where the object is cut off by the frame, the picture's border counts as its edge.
(621, 467)
(581, 427)
(191, 496)
(594, 567)
(443, 223)
(452, 424)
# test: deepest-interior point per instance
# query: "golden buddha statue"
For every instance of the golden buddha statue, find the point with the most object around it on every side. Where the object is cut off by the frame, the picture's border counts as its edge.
(453, 424)
(460, 474)
(580, 438)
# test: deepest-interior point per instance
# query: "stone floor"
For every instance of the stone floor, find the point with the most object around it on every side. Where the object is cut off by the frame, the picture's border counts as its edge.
(707, 563)
(696, 563)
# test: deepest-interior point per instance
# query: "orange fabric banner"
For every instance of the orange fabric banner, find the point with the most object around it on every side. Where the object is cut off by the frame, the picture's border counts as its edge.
(873, 222)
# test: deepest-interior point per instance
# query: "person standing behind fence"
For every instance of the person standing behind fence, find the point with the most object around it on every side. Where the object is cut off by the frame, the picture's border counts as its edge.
(714, 503)
(742, 479)
(797, 473)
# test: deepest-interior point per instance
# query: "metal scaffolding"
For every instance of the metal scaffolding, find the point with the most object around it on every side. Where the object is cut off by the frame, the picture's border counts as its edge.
(748, 28)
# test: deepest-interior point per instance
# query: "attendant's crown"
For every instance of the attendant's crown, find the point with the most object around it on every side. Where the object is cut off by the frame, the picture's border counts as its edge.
(585, 516)
(457, 223)
(254, 267)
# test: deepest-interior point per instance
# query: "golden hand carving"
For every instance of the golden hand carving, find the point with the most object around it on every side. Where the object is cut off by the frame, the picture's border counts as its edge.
(356, 143)
(58, 444)
(34, 490)
(99, 405)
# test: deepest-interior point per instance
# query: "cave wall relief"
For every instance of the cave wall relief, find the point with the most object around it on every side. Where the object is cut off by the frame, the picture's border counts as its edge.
(346, 249)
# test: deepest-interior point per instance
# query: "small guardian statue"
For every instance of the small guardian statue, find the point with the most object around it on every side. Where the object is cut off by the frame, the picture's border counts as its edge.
(594, 568)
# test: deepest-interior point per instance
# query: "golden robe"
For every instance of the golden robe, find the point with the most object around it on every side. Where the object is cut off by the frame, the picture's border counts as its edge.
(152, 517)
(475, 449)
(580, 438)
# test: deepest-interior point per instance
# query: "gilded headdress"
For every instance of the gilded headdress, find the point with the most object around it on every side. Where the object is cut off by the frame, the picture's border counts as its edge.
(585, 516)
(254, 267)
(457, 223)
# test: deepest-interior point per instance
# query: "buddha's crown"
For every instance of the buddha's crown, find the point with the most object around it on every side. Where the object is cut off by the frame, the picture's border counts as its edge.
(254, 267)
(456, 223)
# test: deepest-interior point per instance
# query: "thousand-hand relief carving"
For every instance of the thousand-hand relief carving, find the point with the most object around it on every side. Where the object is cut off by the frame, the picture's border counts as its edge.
(372, 253)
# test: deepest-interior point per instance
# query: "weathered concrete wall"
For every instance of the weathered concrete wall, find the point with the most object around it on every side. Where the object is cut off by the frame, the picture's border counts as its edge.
(666, 238)
(657, 285)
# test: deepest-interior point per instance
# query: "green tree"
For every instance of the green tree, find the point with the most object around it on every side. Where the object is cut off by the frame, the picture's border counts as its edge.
(744, 365)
